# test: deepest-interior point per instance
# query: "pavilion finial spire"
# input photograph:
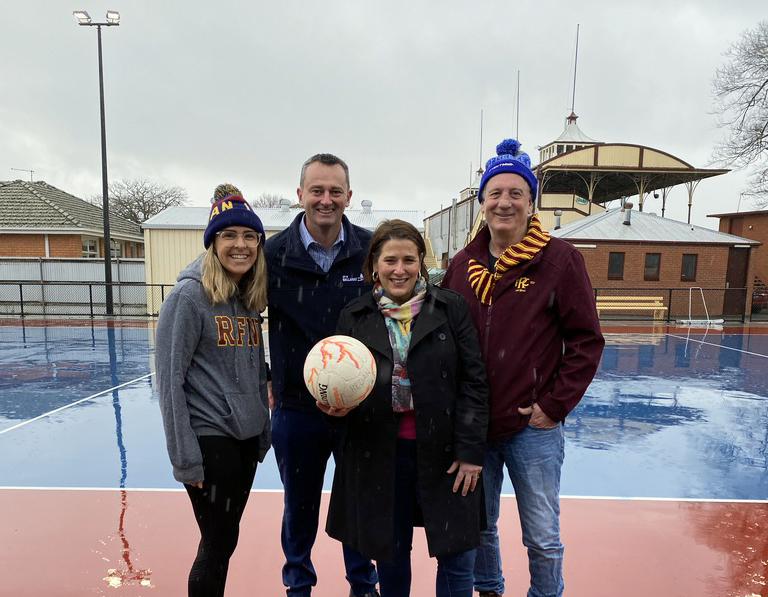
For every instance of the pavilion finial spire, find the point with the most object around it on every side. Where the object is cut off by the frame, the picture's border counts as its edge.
(575, 65)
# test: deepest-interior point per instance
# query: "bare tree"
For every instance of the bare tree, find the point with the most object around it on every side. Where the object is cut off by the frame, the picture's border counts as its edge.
(268, 200)
(139, 200)
(741, 106)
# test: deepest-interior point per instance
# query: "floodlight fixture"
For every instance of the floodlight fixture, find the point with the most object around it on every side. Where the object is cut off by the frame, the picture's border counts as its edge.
(113, 18)
(82, 17)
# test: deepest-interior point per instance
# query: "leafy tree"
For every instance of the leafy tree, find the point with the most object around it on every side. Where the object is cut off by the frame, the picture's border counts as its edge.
(741, 106)
(139, 200)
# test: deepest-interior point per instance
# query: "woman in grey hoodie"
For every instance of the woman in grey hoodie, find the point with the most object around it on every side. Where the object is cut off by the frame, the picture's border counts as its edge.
(212, 383)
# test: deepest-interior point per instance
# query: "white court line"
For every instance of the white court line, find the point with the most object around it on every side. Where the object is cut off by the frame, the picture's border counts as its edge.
(113, 489)
(91, 397)
(653, 499)
(327, 491)
(754, 354)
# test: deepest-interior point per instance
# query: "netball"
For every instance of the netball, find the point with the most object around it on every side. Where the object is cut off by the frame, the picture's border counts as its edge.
(339, 371)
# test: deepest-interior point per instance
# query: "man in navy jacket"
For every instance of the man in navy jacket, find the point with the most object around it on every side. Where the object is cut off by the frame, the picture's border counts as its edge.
(315, 268)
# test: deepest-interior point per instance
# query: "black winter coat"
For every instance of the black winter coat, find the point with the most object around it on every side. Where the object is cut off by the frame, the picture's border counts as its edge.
(450, 399)
(304, 304)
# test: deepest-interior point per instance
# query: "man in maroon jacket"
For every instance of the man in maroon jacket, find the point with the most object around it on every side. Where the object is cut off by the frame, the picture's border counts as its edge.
(533, 305)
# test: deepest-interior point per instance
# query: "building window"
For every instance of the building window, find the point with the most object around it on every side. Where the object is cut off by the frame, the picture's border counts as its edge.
(117, 249)
(615, 266)
(652, 263)
(609, 361)
(645, 356)
(90, 248)
(688, 269)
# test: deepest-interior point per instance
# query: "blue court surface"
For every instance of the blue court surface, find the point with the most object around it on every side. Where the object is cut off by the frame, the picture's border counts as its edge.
(674, 414)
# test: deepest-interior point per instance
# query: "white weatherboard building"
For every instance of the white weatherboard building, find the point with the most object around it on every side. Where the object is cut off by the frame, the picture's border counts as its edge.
(174, 237)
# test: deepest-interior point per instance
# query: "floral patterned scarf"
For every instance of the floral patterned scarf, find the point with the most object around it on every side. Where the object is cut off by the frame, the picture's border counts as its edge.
(398, 319)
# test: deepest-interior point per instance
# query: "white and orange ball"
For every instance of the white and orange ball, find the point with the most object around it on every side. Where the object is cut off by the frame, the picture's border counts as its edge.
(340, 371)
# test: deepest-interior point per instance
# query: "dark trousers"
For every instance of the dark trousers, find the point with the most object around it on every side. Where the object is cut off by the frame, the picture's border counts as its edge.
(454, 571)
(303, 443)
(229, 467)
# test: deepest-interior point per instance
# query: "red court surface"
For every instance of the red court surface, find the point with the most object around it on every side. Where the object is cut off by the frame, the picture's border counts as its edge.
(140, 543)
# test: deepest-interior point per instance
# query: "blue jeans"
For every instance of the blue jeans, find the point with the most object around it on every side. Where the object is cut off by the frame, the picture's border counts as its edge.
(303, 442)
(454, 571)
(534, 458)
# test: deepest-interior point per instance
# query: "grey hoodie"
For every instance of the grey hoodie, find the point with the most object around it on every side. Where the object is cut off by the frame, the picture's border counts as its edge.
(211, 373)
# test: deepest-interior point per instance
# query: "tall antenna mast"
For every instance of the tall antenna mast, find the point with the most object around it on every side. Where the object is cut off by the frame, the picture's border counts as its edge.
(517, 106)
(481, 138)
(575, 64)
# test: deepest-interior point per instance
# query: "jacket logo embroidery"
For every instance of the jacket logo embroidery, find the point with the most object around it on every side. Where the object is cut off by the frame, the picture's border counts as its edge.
(522, 284)
(346, 278)
(237, 331)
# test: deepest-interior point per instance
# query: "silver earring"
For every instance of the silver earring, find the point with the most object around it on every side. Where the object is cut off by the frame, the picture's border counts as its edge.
(375, 276)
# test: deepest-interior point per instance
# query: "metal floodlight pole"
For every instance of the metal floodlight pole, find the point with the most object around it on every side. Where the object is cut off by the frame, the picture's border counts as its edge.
(113, 19)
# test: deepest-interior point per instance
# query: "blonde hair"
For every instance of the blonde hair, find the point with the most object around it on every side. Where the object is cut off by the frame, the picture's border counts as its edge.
(220, 287)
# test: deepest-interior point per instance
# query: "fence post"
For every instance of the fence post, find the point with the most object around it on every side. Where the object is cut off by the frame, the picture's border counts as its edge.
(669, 309)
(119, 286)
(90, 298)
(42, 283)
(21, 298)
(744, 307)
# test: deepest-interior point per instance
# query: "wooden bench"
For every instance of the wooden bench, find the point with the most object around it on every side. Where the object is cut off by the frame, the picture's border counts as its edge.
(632, 303)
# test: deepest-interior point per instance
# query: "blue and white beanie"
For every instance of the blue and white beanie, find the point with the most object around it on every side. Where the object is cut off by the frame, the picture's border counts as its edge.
(509, 159)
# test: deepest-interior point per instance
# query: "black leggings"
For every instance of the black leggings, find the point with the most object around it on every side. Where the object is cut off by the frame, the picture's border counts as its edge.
(229, 466)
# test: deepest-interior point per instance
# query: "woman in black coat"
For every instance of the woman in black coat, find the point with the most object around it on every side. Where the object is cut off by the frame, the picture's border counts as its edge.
(413, 450)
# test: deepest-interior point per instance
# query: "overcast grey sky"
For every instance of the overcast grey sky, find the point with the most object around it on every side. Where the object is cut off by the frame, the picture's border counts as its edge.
(199, 93)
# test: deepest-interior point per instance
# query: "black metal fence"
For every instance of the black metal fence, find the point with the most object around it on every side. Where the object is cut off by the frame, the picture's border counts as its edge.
(26, 298)
(675, 304)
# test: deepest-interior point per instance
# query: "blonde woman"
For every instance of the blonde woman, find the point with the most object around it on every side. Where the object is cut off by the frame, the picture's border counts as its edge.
(212, 382)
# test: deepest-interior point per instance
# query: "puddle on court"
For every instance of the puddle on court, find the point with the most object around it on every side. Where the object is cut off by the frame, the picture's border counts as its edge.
(665, 417)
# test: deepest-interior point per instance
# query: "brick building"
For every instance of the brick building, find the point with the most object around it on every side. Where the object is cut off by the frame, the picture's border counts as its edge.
(753, 225)
(39, 220)
(640, 254)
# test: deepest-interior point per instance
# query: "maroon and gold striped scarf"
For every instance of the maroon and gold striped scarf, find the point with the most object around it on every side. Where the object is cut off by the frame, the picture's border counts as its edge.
(482, 281)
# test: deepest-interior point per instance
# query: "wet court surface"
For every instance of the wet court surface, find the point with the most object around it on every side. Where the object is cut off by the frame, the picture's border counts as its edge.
(665, 480)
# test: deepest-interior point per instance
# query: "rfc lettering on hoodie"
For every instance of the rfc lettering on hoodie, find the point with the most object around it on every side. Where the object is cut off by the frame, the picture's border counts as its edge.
(237, 331)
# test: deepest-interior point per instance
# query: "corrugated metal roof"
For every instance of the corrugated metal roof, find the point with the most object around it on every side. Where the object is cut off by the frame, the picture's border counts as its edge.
(647, 227)
(275, 218)
(40, 206)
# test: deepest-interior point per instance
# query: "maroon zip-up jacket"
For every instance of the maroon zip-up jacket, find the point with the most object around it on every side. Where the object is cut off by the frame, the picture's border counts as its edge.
(540, 337)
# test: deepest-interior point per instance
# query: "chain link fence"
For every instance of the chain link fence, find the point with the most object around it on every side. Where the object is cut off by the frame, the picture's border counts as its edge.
(26, 298)
(23, 298)
(672, 304)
